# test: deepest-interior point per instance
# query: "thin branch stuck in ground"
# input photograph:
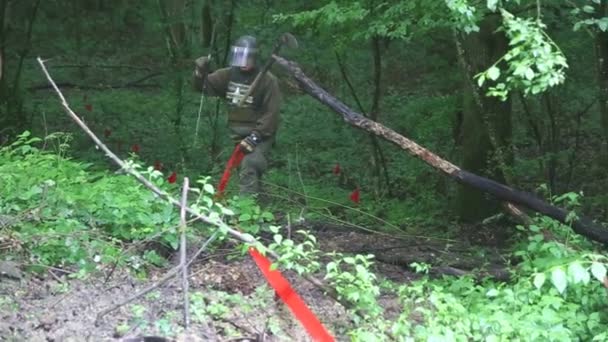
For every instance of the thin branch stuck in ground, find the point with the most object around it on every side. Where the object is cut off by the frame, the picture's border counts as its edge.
(182, 253)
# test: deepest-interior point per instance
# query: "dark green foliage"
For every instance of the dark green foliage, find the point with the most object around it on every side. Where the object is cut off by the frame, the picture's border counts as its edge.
(496, 106)
(65, 214)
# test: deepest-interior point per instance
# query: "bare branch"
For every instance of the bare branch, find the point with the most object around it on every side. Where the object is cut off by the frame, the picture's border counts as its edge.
(182, 252)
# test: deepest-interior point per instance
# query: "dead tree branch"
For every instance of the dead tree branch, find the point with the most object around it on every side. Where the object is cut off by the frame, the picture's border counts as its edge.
(581, 225)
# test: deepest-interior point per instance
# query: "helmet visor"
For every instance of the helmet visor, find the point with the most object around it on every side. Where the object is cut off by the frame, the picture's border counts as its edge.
(242, 56)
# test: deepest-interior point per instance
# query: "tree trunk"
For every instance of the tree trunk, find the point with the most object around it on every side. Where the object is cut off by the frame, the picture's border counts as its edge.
(3, 7)
(552, 147)
(581, 225)
(486, 125)
(601, 51)
(228, 18)
(206, 24)
(179, 49)
(379, 162)
(378, 159)
(13, 119)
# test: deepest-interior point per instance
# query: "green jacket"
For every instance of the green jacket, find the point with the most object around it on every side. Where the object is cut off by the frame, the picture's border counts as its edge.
(259, 113)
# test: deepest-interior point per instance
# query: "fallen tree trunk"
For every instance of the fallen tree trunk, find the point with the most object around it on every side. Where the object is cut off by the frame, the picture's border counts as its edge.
(581, 225)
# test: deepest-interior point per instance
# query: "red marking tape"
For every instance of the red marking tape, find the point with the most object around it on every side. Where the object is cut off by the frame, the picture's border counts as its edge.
(234, 161)
(311, 323)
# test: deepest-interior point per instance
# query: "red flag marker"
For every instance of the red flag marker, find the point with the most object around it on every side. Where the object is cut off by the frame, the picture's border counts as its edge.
(355, 196)
(88, 107)
(172, 178)
(135, 148)
(337, 169)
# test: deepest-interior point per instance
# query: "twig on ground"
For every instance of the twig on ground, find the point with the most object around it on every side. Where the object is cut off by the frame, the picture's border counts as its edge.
(56, 277)
(143, 292)
(139, 243)
(53, 268)
(172, 273)
(203, 247)
(239, 327)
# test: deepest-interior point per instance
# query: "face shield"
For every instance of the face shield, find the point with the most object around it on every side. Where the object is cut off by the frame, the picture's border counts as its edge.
(242, 56)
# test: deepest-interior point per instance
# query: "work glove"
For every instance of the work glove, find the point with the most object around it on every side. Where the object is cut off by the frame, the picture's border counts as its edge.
(202, 65)
(250, 142)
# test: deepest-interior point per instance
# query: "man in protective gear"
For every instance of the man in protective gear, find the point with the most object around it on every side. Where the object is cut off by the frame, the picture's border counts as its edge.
(254, 124)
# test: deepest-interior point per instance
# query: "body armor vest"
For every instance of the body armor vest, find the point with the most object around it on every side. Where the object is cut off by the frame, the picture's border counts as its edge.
(247, 115)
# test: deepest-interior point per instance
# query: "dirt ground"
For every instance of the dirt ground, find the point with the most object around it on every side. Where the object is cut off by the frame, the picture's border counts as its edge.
(53, 308)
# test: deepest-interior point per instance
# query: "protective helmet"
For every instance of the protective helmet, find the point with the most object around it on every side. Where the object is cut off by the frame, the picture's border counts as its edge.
(244, 52)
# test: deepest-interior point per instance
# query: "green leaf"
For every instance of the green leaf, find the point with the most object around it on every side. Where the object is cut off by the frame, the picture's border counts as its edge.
(577, 272)
(480, 80)
(588, 9)
(492, 4)
(278, 238)
(529, 74)
(349, 260)
(492, 293)
(227, 211)
(539, 280)
(268, 216)
(493, 73)
(244, 217)
(603, 24)
(558, 278)
(598, 270)
(209, 188)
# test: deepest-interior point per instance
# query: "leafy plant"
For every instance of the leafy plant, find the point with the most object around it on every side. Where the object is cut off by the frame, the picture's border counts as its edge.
(65, 214)
(300, 257)
(534, 63)
(248, 215)
(353, 281)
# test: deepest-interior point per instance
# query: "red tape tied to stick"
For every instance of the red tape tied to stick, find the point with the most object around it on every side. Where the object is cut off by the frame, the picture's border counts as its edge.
(311, 323)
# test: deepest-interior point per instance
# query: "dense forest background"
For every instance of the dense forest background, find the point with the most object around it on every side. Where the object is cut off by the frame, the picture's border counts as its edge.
(516, 91)
(127, 69)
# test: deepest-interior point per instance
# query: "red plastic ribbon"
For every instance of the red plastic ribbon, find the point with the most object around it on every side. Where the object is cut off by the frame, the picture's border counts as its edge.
(311, 323)
(234, 161)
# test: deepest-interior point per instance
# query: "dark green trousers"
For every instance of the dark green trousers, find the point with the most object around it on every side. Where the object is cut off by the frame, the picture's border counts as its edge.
(253, 167)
